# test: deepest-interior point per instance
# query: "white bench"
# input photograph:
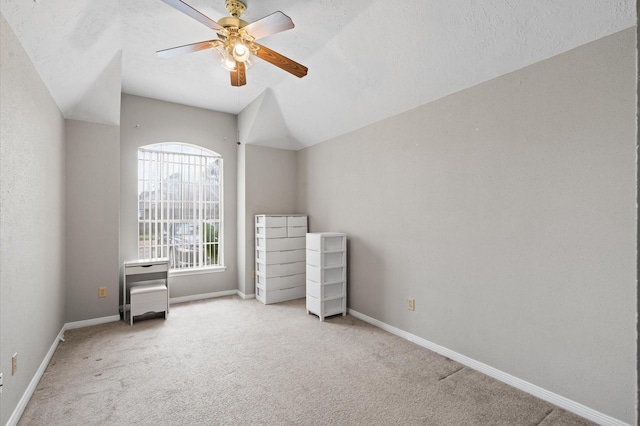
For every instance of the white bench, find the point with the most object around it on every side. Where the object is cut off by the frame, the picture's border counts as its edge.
(149, 298)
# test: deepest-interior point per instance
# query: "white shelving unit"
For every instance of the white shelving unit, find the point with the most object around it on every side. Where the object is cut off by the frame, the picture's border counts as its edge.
(326, 274)
(280, 257)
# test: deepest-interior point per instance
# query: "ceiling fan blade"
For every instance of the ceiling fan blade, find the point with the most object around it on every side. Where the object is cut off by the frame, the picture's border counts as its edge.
(280, 61)
(270, 24)
(239, 76)
(188, 10)
(172, 52)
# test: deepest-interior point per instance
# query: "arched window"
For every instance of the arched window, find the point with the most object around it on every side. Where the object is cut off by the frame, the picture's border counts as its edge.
(180, 205)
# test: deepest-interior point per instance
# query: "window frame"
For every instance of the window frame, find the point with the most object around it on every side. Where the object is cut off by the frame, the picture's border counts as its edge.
(169, 159)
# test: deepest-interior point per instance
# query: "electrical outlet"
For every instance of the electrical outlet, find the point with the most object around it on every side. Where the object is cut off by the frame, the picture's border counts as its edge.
(411, 304)
(14, 363)
(102, 292)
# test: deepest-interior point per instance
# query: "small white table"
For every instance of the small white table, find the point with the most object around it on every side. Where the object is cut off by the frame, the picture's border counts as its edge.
(144, 298)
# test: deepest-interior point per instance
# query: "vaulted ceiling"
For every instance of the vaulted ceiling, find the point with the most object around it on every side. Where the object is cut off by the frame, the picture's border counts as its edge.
(367, 59)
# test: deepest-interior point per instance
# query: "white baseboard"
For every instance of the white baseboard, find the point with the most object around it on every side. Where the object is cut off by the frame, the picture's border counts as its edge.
(523, 385)
(90, 322)
(246, 296)
(26, 396)
(195, 297)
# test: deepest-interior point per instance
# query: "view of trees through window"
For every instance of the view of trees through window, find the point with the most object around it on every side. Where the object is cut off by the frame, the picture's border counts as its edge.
(180, 205)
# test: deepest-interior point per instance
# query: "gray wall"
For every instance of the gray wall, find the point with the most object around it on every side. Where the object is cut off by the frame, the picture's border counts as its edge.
(270, 187)
(93, 209)
(31, 219)
(145, 121)
(508, 211)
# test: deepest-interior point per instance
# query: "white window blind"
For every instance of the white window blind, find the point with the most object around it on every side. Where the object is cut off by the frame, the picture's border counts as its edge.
(180, 205)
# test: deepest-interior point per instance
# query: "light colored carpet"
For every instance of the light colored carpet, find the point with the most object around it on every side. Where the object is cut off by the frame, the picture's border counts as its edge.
(229, 361)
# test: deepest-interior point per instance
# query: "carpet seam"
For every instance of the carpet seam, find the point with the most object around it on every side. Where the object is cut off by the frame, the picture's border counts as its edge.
(545, 417)
(452, 373)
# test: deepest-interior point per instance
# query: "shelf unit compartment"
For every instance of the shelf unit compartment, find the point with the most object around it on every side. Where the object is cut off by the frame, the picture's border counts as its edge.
(331, 291)
(271, 232)
(271, 221)
(275, 257)
(279, 295)
(280, 270)
(316, 258)
(280, 244)
(325, 275)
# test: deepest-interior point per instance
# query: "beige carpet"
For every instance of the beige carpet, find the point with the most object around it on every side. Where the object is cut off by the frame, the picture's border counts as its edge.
(233, 362)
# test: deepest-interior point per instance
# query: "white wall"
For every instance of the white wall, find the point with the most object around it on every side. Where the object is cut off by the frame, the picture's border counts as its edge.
(31, 220)
(145, 121)
(508, 211)
(92, 219)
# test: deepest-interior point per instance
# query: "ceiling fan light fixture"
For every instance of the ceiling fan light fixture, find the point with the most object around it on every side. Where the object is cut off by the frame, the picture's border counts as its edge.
(240, 52)
(227, 61)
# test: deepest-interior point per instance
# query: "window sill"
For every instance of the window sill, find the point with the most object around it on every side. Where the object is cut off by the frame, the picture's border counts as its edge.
(184, 272)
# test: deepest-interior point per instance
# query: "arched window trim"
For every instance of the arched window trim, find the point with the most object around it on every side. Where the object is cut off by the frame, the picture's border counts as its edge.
(180, 206)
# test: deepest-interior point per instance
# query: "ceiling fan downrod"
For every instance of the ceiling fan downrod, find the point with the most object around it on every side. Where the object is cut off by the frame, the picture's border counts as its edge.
(235, 8)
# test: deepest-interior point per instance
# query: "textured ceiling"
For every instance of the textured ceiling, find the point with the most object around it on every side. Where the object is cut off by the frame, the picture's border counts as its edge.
(367, 59)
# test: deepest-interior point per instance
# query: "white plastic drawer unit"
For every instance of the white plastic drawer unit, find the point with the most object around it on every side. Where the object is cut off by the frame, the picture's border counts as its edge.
(326, 275)
(317, 258)
(326, 291)
(271, 232)
(296, 231)
(326, 241)
(281, 269)
(280, 283)
(297, 221)
(280, 244)
(326, 272)
(325, 308)
(271, 221)
(275, 257)
(275, 296)
(280, 254)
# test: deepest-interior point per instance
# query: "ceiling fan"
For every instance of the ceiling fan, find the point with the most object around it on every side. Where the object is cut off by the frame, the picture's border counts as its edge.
(236, 41)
